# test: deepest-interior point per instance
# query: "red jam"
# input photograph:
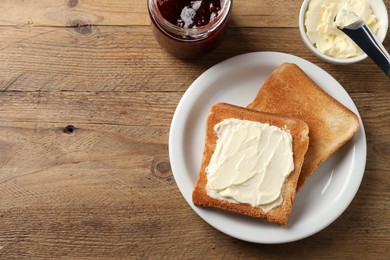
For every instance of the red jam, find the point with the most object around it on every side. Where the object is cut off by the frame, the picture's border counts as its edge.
(189, 29)
(189, 13)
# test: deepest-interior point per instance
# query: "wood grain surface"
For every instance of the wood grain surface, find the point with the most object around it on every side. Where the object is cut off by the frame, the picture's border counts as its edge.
(86, 100)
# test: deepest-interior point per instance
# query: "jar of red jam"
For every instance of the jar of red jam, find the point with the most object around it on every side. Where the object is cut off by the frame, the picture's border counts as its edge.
(188, 28)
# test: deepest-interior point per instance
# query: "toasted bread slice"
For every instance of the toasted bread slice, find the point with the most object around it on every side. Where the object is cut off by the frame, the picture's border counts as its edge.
(291, 92)
(300, 140)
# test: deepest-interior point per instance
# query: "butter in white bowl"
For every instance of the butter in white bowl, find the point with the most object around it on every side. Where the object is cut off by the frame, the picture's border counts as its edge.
(321, 35)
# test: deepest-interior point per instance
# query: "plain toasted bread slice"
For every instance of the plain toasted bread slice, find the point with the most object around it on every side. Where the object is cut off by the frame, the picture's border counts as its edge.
(291, 92)
(299, 131)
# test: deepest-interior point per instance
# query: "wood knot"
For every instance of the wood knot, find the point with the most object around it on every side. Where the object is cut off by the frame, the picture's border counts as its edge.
(70, 129)
(81, 26)
(161, 168)
(85, 29)
(72, 3)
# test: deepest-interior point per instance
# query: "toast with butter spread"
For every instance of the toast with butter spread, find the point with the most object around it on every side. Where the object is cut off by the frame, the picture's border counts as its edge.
(291, 92)
(298, 133)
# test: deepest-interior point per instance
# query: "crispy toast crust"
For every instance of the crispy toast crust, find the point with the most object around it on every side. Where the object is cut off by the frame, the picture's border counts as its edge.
(299, 131)
(291, 92)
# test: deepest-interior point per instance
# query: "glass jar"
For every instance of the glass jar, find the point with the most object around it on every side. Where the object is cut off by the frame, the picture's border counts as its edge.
(188, 43)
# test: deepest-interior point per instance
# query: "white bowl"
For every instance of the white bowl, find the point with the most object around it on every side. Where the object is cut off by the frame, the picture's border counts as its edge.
(378, 8)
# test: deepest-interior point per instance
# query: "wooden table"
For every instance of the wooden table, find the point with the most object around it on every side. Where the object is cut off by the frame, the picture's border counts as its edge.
(86, 101)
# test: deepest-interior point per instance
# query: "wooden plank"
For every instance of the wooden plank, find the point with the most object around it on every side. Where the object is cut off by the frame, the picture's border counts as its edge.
(73, 12)
(44, 161)
(278, 13)
(119, 12)
(107, 58)
(103, 108)
(129, 59)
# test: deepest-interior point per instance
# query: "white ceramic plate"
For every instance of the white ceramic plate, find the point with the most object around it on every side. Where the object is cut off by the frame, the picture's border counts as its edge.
(326, 194)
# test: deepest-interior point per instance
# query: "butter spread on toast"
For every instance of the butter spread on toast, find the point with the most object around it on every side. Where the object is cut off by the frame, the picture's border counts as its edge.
(250, 164)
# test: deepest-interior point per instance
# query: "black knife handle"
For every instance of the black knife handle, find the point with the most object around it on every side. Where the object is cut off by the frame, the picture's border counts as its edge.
(367, 41)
